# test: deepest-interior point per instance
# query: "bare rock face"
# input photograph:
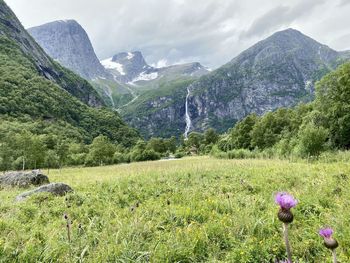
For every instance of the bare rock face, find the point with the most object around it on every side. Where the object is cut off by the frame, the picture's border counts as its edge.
(58, 189)
(23, 179)
(67, 42)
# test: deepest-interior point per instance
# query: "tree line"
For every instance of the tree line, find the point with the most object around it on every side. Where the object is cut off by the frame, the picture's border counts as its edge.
(306, 130)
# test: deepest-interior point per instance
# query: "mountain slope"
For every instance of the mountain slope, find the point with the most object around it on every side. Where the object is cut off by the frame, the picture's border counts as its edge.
(68, 43)
(159, 112)
(121, 79)
(11, 28)
(345, 54)
(30, 90)
(279, 71)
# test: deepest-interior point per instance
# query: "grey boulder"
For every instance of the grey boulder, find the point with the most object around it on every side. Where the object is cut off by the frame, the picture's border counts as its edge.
(23, 179)
(58, 189)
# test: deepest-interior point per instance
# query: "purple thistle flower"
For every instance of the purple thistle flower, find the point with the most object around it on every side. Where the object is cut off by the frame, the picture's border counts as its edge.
(329, 241)
(326, 232)
(285, 201)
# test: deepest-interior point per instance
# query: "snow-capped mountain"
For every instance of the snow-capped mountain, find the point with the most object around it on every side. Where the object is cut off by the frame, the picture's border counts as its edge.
(119, 79)
(131, 68)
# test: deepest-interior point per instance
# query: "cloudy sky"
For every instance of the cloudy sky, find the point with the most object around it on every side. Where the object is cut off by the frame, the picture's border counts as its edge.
(175, 31)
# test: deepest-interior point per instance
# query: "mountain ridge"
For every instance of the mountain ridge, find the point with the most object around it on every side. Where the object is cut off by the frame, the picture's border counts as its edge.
(131, 67)
(279, 71)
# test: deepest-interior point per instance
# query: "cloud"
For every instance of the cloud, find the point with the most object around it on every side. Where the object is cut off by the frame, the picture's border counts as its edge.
(280, 16)
(344, 2)
(211, 32)
(269, 21)
(160, 64)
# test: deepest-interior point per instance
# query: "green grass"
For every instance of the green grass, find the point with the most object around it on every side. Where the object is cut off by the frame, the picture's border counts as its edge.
(219, 211)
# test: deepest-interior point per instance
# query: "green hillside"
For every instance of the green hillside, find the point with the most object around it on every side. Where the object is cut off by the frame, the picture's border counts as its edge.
(29, 91)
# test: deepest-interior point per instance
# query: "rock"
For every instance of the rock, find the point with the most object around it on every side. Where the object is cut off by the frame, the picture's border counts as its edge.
(23, 179)
(67, 42)
(58, 189)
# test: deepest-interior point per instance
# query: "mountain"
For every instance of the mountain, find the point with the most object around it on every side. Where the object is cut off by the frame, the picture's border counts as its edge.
(35, 89)
(127, 66)
(68, 43)
(117, 80)
(12, 30)
(279, 71)
(345, 54)
(133, 76)
(131, 68)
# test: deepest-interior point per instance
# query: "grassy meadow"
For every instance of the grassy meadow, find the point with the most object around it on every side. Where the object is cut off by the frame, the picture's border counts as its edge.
(196, 209)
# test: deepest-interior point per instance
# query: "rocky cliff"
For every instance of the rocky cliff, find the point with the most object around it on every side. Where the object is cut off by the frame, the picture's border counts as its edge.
(68, 43)
(279, 71)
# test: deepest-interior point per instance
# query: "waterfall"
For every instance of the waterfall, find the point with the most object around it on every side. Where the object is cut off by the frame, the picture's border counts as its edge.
(108, 92)
(187, 115)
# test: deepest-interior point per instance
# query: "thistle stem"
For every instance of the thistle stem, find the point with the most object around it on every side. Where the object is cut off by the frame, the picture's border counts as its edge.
(334, 256)
(286, 240)
(68, 232)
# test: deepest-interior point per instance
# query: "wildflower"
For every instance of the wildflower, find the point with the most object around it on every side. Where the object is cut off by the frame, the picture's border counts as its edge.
(329, 241)
(286, 202)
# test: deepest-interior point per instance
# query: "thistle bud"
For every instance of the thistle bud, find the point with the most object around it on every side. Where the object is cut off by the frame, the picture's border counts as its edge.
(329, 241)
(286, 216)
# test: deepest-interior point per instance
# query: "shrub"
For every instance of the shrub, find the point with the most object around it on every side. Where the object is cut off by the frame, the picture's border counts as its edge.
(312, 140)
(121, 158)
(146, 155)
(179, 154)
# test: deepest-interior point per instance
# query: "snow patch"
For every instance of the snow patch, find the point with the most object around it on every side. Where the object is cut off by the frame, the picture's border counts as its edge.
(146, 77)
(308, 84)
(160, 64)
(130, 55)
(110, 64)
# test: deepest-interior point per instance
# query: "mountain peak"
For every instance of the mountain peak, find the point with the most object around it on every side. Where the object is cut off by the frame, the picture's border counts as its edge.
(54, 24)
(127, 65)
(289, 31)
(67, 42)
(289, 42)
(127, 56)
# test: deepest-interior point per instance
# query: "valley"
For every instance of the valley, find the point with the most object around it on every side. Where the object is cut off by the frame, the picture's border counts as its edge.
(190, 210)
(136, 152)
